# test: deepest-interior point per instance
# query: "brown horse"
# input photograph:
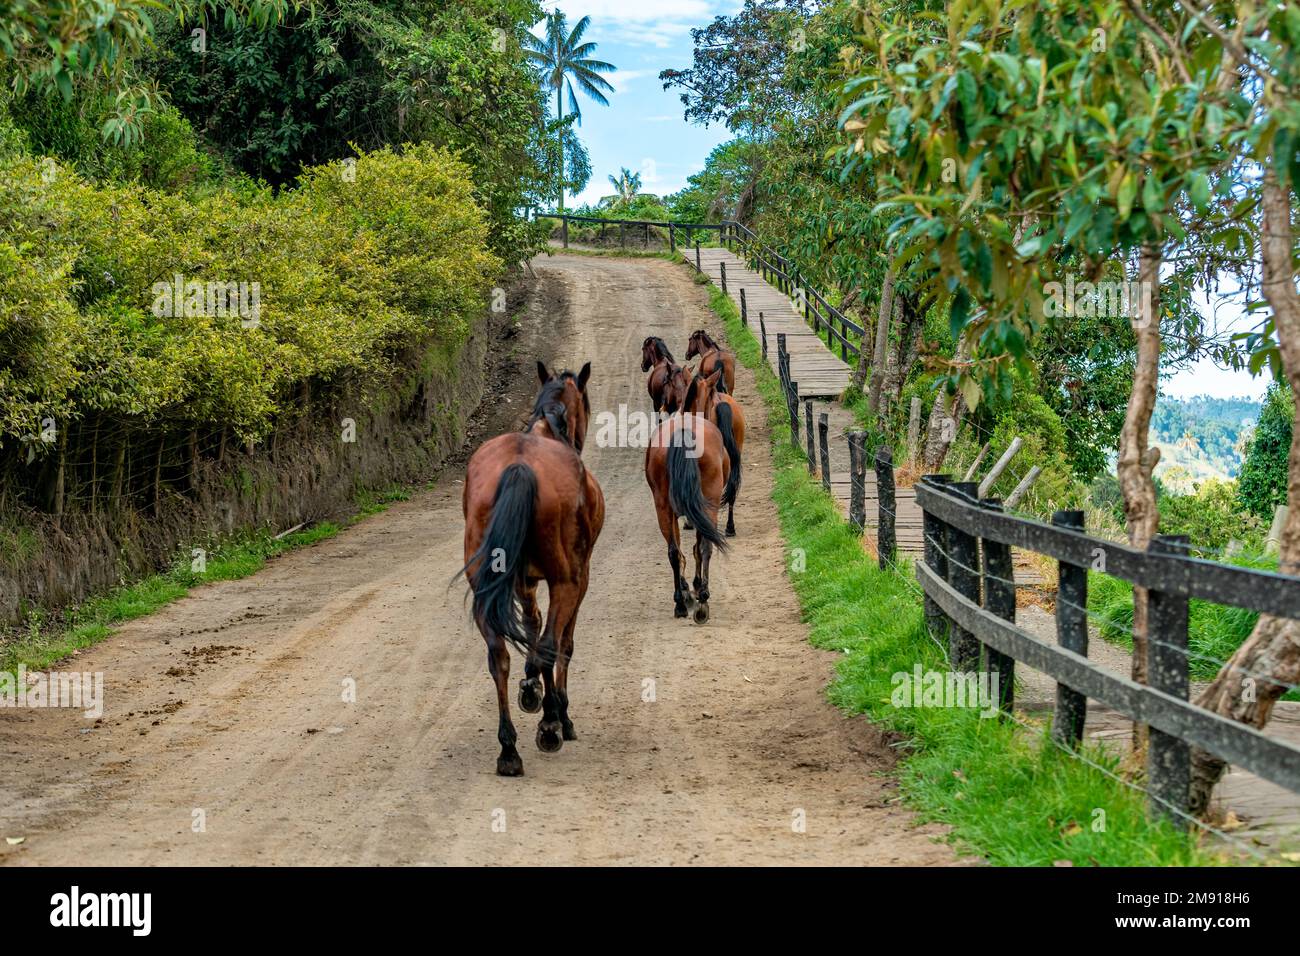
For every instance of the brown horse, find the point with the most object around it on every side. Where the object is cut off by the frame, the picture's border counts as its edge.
(679, 379)
(686, 467)
(712, 355)
(533, 511)
(658, 361)
(725, 412)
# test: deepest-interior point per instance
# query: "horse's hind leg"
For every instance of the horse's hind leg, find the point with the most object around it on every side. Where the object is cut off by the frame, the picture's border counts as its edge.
(668, 528)
(563, 655)
(561, 605)
(509, 763)
(530, 688)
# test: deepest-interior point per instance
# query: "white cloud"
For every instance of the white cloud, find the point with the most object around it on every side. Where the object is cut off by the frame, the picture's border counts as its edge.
(654, 23)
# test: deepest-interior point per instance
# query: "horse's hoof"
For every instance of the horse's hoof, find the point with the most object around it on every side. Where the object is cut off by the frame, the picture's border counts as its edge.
(569, 732)
(680, 611)
(549, 740)
(510, 766)
(701, 614)
(731, 531)
(530, 697)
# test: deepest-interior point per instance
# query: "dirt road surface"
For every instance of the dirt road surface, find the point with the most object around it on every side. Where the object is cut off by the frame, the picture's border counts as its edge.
(226, 738)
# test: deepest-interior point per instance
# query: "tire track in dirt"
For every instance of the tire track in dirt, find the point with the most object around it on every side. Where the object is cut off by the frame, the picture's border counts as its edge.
(739, 737)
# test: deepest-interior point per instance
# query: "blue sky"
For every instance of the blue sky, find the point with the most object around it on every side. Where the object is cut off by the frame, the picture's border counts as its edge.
(643, 129)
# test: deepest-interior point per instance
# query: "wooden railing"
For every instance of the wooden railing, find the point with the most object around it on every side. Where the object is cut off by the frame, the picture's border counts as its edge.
(969, 586)
(777, 270)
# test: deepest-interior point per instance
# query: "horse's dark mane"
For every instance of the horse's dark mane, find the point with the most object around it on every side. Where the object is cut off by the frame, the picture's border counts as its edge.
(550, 406)
(661, 348)
(707, 339)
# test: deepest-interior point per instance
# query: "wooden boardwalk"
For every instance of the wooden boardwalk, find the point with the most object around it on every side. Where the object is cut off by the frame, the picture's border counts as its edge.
(819, 372)
(822, 376)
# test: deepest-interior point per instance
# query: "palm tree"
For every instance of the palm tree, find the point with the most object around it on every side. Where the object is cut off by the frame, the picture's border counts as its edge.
(566, 60)
(627, 184)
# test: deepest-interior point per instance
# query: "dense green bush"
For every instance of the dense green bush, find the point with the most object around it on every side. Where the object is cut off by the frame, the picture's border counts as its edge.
(342, 273)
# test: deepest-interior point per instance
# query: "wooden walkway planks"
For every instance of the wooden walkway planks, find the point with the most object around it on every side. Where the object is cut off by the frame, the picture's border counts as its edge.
(819, 372)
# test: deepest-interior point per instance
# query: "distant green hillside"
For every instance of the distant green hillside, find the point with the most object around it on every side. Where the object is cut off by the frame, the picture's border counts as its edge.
(1201, 438)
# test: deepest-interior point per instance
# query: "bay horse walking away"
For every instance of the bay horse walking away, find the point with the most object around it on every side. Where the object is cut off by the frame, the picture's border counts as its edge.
(712, 355)
(658, 361)
(533, 511)
(686, 467)
(679, 379)
(724, 412)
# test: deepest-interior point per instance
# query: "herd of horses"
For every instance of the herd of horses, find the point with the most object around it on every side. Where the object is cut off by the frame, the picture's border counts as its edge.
(533, 512)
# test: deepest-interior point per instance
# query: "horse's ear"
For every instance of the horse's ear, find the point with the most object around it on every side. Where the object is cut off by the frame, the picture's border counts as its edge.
(713, 377)
(583, 376)
(542, 375)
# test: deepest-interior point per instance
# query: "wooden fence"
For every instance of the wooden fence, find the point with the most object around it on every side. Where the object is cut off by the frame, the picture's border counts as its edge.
(968, 581)
(969, 585)
(776, 270)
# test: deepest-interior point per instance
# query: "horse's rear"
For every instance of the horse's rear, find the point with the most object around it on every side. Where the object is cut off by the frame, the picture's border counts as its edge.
(687, 468)
(533, 512)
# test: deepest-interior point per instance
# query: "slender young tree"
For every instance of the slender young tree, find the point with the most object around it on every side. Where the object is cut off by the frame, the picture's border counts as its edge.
(566, 60)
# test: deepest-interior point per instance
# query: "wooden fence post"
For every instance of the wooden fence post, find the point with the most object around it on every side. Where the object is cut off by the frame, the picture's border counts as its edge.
(823, 441)
(886, 539)
(808, 430)
(672, 238)
(857, 481)
(1022, 489)
(1000, 599)
(1169, 759)
(1071, 633)
(697, 256)
(914, 429)
(744, 309)
(762, 328)
(996, 471)
(935, 535)
(964, 576)
(792, 403)
(783, 372)
(722, 267)
(564, 231)
(979, 460)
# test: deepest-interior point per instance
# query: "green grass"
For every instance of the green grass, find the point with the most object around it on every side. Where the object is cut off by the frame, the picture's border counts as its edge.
(1214, 631)
(45, 640)
(1008, 794)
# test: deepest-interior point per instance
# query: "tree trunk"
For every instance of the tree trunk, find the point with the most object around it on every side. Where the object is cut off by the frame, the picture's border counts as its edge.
(945, 416)
(1136, 459)
(559, 114)
(882, 340)
(1241, 690)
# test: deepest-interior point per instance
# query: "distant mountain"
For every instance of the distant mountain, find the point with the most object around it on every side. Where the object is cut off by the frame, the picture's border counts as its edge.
(1201, 438)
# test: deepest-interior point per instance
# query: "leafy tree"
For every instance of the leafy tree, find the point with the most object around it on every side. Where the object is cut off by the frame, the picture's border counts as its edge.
(344, 75)
(564, 60)
(1262, 485)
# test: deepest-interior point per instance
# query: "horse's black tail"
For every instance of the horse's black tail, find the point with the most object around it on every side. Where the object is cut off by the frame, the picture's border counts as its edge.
(502, 564)
(685, 494)
(726, 427)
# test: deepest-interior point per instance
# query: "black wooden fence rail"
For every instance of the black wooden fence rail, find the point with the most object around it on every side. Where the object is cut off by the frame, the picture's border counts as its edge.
(976, 597)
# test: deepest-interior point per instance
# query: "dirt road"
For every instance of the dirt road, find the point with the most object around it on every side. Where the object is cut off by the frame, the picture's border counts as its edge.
(226, 738)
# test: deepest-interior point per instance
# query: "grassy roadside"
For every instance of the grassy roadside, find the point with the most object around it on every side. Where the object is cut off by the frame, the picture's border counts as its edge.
(44, 641)
(1008, 795)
